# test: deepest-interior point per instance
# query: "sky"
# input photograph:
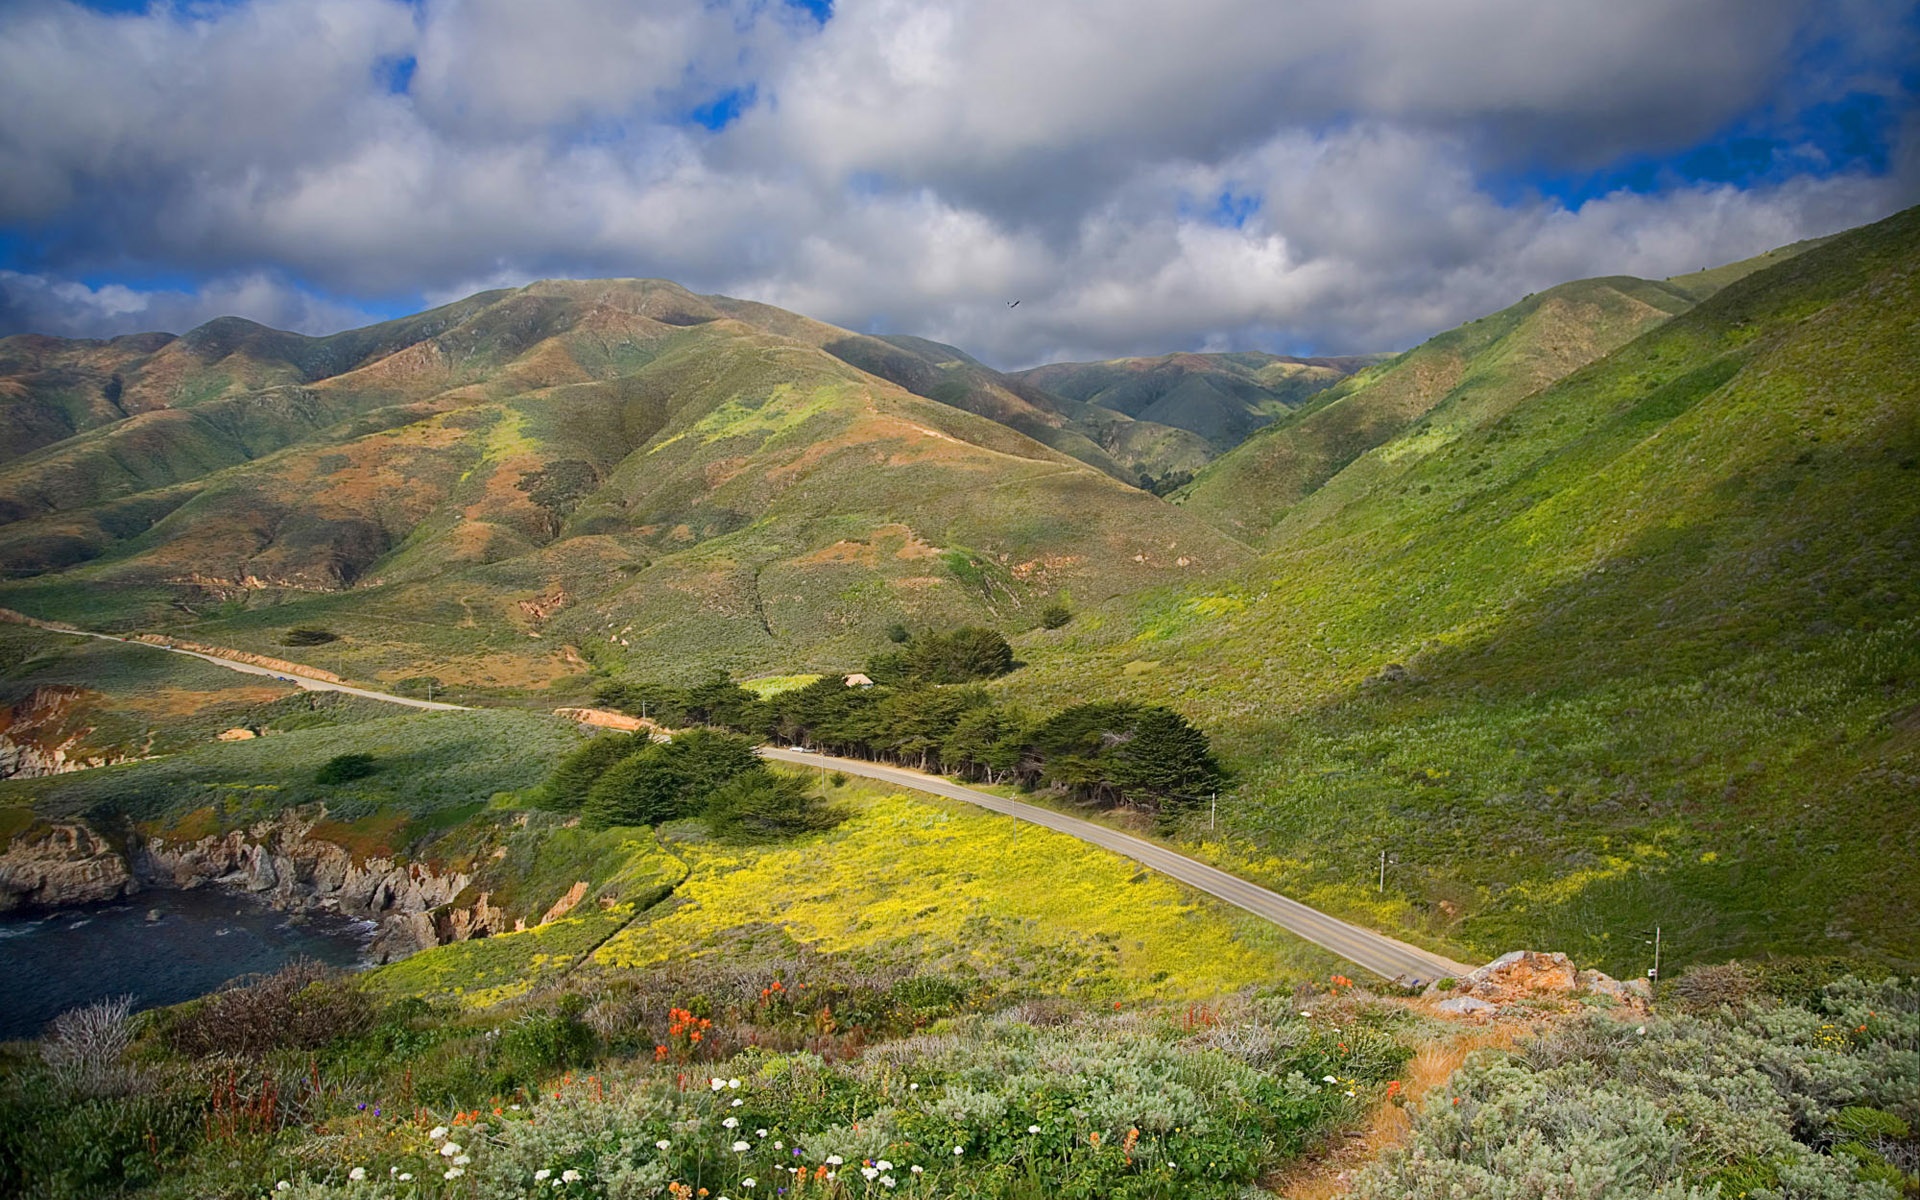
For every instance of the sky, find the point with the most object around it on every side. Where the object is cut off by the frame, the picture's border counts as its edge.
(1144, 176)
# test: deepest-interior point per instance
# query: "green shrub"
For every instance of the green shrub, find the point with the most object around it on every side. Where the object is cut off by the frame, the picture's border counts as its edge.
(1055, 616)
(761, 806)
(344, 768)
(308, 635)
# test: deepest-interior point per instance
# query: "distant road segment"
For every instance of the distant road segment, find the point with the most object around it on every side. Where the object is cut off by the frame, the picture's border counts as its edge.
(1371, 951)
(245, 668)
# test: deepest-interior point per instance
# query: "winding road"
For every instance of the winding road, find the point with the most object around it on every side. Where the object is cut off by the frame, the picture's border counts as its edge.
(1375, 952)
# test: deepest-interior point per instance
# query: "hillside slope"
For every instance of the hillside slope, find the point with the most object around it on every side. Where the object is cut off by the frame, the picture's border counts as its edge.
(619, 465)
(1221, 398)
(1641, 647)
(1479, 369)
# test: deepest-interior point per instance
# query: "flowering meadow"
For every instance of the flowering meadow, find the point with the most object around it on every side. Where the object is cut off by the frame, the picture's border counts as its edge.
(834, 1085)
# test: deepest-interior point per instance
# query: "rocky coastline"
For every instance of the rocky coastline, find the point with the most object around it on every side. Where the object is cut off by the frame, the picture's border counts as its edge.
(67, 864)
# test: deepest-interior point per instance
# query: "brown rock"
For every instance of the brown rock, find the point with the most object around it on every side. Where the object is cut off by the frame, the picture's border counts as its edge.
(64, 865)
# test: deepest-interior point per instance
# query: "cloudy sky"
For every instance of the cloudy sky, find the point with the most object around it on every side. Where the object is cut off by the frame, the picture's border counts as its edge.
(1305, 176)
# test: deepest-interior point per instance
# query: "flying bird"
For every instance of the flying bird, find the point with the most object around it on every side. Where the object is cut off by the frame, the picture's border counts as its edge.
(1013, 304)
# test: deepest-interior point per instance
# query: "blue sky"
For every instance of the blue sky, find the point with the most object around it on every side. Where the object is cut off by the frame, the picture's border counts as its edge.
(1307, 177)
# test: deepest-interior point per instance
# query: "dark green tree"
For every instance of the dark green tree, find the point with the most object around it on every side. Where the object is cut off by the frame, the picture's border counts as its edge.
(761, 806)
(668, 780)
(566, 789)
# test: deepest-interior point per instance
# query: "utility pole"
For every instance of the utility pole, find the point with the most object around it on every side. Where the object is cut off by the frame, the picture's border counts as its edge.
(1655, 973)
(429, 689)
(1383, 872)
(1213, 811)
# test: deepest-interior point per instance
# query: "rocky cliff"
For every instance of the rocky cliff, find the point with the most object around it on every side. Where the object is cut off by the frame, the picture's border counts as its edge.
(278, 861)
(67, 864)
(61, 865)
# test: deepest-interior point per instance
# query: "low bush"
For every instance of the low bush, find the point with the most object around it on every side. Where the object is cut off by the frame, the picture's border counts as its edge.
(303, 1005)
(1757, 1099)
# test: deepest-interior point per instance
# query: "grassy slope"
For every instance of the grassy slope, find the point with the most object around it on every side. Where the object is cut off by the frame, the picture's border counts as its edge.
(748, 501)
(1658, 631)
(1220, 398)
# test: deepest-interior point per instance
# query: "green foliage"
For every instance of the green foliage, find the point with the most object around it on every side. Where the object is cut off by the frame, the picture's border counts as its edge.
(761, 806)
(668, 780)
(1055, 616)
(345, 768)
(308, 635)
(574, 776)
(957, 656)
(1125, 753)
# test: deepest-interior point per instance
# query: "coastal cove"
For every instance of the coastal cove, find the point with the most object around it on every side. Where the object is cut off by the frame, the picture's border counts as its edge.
(162, 946)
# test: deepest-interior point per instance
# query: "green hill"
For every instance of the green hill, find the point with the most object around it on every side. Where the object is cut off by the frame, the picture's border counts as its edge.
(1640, 647)
(617, 467)
(1477, 370)
(1219, 398)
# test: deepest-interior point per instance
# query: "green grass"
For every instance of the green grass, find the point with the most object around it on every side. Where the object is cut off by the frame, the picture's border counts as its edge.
(425, 763)
(1657, 624)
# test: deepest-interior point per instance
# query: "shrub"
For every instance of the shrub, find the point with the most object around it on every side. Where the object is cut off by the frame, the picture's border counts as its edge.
(84, 1047)
(303, 1005)
(762, 806)
(668, 780)
(344, 768)
(1055, 615)
(308, 635)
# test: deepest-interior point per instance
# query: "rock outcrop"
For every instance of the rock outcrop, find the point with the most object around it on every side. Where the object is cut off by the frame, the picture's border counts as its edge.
(60, 866)
(1533, 976)
(413, 905)
(46, 731)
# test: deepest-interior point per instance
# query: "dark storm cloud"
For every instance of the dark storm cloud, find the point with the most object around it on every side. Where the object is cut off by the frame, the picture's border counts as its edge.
(1339, 176)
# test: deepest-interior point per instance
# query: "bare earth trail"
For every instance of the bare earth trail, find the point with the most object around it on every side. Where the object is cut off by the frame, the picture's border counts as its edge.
(1373, 951)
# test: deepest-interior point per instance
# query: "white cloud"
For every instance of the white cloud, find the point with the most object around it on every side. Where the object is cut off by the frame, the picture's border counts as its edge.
(911, 165)
(65, 308)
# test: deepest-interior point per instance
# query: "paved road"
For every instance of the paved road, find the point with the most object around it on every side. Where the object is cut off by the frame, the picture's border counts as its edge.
(1375, 952)
(246, 668)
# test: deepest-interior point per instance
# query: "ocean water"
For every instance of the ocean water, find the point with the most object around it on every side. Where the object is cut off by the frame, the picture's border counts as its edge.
(160, 947)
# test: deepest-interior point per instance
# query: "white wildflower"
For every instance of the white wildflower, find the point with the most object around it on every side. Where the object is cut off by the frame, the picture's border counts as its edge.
(716, 1084)
(738, 1103)
(540, 1176)
(463, 1160)
(913, 1087)
(437, 1132)
(449, 1149)
(663, 1144)
(405, 1177)
(455, 1172)
(733, 1083)
(834, 1160)
(884, 1165)
(570, 1176)
(741, 1147)
(357, 1174)
(748, 1182)
(870, 1173)
(779, 1145)
(917, 1170)
(886, 1181)
(1033, 1129)
(731, 1123)
(760, 1133)
(1328, 1079)
(283, 1186)
(957, 1152)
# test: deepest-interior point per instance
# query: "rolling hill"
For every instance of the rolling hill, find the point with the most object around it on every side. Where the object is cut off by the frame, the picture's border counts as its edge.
(1637, 647)
(620, 467)
(1478, 370)
(1220, 398)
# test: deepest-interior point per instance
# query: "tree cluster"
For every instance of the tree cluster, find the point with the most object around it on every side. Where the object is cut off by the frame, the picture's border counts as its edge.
(629, 779)
(1111, 753)
(958, 656)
